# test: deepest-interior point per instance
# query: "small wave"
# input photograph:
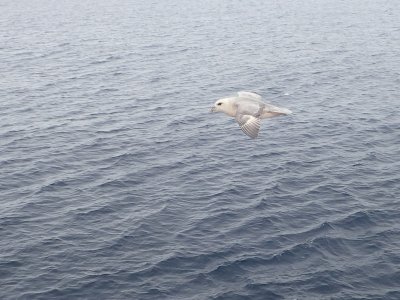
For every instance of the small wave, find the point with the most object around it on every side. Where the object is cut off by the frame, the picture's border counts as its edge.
(95, 212)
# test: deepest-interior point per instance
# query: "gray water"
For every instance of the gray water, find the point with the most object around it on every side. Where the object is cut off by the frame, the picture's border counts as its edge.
(117, 183)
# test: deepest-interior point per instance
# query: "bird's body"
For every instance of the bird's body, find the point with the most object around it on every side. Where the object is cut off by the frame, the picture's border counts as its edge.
(248, 109)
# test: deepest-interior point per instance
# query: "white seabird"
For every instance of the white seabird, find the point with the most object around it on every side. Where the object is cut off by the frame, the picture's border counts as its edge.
(248, 109)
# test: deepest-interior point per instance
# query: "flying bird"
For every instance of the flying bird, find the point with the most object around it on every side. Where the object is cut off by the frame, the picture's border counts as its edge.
(248, 109)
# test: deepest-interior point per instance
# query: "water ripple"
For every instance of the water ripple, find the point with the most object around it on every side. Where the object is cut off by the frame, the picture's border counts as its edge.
(117, 182)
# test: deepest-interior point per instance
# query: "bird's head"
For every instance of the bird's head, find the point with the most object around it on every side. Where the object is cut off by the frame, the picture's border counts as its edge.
(222, 105)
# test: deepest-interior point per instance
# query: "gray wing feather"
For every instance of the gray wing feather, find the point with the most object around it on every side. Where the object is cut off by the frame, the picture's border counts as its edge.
(250, 125)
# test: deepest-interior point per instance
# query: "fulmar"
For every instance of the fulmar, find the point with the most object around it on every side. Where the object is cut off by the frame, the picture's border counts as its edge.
(248, 109)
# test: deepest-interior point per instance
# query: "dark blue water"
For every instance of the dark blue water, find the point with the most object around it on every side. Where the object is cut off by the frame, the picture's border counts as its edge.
(117, 183)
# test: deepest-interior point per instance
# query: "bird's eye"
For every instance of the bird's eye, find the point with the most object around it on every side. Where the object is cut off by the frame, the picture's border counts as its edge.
(219, 103)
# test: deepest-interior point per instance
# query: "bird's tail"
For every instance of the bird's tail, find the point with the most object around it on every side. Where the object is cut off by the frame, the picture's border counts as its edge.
(274, 111)
(280, 110)
(284, 111)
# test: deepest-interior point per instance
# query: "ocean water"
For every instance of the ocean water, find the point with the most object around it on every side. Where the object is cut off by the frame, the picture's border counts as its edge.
(116, 182)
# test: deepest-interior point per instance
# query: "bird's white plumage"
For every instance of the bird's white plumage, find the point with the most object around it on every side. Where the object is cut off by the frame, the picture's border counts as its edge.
(248, 109)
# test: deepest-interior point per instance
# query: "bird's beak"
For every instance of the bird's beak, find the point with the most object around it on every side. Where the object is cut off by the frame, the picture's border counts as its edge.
(212, 109)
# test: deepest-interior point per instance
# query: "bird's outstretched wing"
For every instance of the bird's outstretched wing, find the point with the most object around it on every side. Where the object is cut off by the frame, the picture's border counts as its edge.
(269, 110)
(250, 125)
(249, 95)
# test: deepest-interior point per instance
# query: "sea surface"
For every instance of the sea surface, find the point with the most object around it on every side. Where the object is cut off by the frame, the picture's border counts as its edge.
(116, 181)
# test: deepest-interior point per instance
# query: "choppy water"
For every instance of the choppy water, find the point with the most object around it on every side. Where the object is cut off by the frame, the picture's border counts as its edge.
(117, 183)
